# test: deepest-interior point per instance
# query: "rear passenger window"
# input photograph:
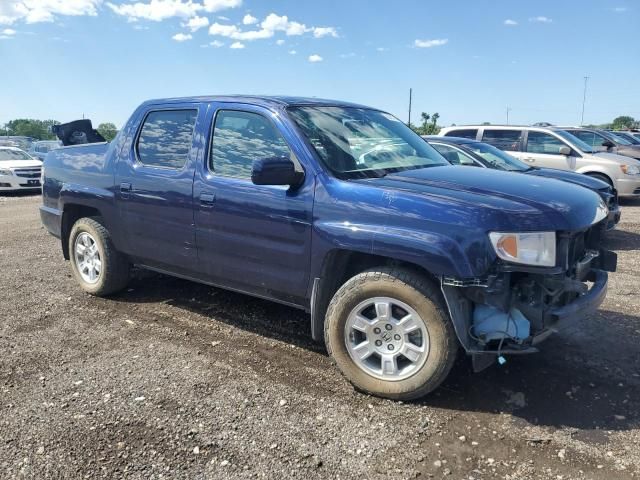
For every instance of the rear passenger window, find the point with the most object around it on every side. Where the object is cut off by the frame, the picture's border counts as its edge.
(508, 140)
(465, 133)
(165, 138)
(540, 142)
(239, 138)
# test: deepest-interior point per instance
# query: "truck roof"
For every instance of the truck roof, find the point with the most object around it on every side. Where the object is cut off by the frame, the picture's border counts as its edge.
(262, 100)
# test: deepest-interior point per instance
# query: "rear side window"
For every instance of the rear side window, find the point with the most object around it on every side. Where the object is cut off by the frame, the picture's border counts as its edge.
(508, 140)
(540, 142)
(470, 133)
(165, 138)
(239, 138)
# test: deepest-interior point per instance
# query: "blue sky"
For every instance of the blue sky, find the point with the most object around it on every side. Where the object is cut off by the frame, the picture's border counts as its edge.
(467, 60)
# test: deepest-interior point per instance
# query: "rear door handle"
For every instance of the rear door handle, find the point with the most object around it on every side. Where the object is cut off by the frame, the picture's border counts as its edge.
(207, 199)
(529, 159)
(125, 187)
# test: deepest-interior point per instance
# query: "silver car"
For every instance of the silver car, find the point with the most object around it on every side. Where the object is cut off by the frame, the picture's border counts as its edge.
(552, 147)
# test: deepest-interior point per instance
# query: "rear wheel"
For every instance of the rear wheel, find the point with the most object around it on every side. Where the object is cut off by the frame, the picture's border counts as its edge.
(97, 266)
(387, 331)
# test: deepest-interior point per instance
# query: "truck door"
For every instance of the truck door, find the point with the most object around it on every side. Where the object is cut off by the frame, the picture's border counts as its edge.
(252, 238)
(154, 188)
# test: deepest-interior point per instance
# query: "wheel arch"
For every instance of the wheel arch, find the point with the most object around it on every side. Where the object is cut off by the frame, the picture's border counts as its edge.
(338, 266)
(70, 215)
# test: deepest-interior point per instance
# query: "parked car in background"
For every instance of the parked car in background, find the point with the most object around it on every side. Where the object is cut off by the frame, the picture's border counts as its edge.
(466, 152)
(40, 148)
(553, 147)
(605, 141)
(23, 143)
(18, 170)
(400, 258)
(628, 136)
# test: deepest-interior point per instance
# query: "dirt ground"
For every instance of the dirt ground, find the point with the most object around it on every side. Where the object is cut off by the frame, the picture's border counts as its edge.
(172, 379)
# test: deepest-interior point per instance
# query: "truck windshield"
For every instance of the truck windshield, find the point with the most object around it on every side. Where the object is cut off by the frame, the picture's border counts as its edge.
(496, 157)
(363, 143)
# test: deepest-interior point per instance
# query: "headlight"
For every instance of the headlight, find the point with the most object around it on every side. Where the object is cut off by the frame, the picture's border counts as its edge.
(531, 248)
(630, 169)
(4, 171)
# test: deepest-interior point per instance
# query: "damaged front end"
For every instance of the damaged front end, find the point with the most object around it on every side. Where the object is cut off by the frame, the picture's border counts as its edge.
(515, 306)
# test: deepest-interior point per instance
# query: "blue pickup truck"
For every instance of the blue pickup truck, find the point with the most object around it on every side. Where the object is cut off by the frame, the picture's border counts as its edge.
(402, 260)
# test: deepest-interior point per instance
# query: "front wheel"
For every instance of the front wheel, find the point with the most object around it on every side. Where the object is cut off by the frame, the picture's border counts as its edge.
(97, 266)
(388, 332)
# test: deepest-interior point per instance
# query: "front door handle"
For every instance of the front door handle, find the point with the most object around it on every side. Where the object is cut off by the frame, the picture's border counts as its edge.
(207, 199)
(529, 159)
(125, 187)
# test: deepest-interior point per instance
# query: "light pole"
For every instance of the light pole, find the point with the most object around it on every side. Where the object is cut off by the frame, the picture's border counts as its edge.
(584, 99)
(508, 110)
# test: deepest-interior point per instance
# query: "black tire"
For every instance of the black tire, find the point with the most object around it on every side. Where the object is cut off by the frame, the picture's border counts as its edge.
(602, 177)
(425, 298)
(114, 274)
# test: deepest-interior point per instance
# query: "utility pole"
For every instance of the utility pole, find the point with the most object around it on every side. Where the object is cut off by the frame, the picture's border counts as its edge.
(410, 94)
(584, 98)
(508, 110)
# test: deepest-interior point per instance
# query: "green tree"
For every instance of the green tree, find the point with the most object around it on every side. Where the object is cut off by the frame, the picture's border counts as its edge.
(429, 124)
(108, 130)
(623, 122)
(29, 127)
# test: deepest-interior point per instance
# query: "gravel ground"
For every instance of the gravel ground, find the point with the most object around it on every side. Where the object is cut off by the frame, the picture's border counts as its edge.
(171, 379)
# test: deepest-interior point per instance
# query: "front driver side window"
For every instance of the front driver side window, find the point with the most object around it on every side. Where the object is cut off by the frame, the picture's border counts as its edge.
(540, 142)
(589, 138)
(239, 138)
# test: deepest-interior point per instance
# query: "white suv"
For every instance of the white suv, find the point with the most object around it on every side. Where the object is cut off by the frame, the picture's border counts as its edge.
(554, 148)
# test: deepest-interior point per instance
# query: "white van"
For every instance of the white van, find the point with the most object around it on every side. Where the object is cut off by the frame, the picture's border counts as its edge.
(551, 147)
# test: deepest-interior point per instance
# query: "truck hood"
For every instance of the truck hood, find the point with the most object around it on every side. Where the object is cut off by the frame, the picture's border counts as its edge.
(20, 163)
(576, 178)
(524, 202)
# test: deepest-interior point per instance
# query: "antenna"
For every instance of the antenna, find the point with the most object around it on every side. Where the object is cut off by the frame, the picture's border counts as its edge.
(584, 99)
(410, 95)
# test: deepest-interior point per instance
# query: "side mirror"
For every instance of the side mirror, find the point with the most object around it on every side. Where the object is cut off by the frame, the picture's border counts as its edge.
(566, 151)
(275, 171)
(608, 144)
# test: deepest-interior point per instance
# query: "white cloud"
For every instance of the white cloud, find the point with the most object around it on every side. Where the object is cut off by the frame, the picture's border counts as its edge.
(216, 44)
(217, 5)
(347, 55)
(431, 43)
(382, 49)
(541, 19)
(237, 45)
(249, 19)
(620, 9)
(510, 23)
(8, 32)
(320, 32)
(292, 52)
(182, 37)
(271, 25)
(196, 23)
(158, 10)
(280, 42)
(315, 58)
(35, 11)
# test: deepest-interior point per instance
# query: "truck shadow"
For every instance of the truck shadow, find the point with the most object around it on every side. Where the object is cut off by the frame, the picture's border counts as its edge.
(622, 240)
(580, 379)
